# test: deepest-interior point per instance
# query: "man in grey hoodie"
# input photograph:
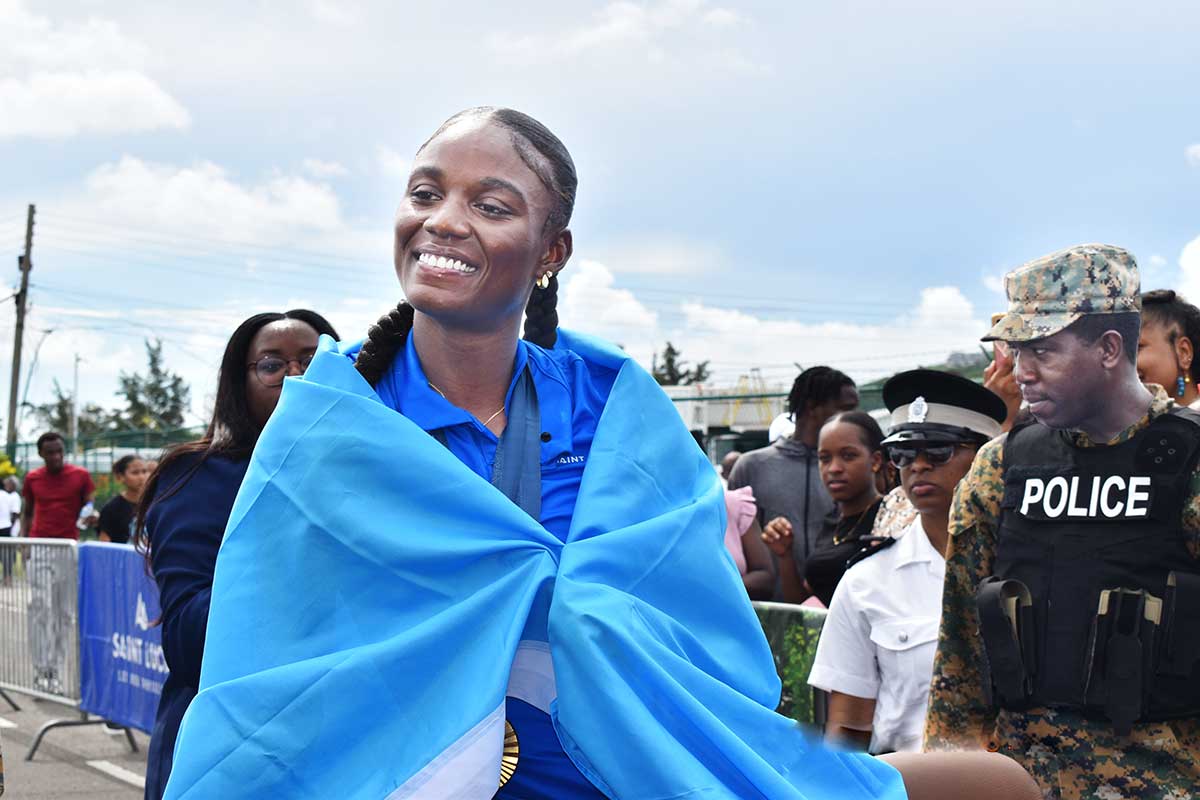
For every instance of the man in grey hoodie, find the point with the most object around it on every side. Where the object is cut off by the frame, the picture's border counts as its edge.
(784, 474)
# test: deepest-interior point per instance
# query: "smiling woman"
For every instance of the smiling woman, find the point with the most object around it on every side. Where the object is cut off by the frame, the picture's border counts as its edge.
(480, 236)
(495, 567)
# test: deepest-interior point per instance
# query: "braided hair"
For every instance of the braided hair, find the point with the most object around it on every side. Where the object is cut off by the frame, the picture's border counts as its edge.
(546, 157)
(814, 386)
(1165, 307)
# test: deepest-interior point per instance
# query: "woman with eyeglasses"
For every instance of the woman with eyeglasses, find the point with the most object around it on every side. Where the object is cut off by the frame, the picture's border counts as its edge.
(186, 503)
(875, 656)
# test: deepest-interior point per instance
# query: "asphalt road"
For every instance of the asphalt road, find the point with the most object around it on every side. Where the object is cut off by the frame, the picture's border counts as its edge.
(81, 762)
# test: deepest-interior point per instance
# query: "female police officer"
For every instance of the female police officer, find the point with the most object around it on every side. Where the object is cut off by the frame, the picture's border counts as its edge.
(876, 651)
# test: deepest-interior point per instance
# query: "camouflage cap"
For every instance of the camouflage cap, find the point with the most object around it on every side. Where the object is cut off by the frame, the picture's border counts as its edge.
(1049, 293)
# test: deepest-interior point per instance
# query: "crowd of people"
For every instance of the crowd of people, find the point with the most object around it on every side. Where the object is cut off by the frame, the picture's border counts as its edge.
(1010, 568)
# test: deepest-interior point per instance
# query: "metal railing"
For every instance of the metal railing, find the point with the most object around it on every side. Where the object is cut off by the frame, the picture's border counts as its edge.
(39, 628)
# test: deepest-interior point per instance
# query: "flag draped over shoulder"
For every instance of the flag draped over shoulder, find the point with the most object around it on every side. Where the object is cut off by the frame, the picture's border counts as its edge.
(371, 592)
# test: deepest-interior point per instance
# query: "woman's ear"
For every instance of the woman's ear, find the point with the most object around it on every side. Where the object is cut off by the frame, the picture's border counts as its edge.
(876, 461)
(558, 252)
(1184, 353)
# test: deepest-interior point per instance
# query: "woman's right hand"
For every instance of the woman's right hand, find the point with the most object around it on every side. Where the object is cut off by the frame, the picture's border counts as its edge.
(778, 536)
(999, 378)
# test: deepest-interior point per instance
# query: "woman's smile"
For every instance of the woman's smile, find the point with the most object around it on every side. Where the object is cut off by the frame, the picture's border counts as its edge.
(444, 264)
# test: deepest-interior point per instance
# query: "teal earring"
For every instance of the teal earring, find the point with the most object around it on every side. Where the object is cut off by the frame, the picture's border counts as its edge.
(1180, 387)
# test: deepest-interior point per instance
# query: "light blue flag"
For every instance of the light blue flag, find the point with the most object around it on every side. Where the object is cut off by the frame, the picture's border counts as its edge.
(372, 593)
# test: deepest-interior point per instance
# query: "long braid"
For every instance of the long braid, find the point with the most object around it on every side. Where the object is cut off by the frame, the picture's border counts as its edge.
(541, 315)
(384, 340)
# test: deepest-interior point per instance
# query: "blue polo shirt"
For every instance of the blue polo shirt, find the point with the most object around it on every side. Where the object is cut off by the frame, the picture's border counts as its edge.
(571, 396)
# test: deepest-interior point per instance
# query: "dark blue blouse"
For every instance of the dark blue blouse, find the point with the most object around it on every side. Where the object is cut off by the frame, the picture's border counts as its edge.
(185, 528)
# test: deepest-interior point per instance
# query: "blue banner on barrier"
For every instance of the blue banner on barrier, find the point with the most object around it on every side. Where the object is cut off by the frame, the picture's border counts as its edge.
(122, 668)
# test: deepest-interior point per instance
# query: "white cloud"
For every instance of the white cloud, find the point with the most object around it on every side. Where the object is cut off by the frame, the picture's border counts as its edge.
(994, 282)
(666, 31)
(392, 163)
(324, 169)
(1189, 266)
(943, 321)
(721, 17)
(205, 199)
(35, 42)
(61, 104)
(592, 304)
(65, 80)
(1192, 154)
(338, 13)
(662, 255)
(1157, 272)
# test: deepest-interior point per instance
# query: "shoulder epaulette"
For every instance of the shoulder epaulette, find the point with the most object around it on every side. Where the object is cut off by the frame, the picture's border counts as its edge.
(873, 544)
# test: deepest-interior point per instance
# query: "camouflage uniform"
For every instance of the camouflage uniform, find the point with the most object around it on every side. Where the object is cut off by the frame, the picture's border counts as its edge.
(1070, 756)
(895, 514)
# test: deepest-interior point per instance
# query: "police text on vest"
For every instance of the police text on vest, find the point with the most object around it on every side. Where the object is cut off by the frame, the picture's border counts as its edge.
(1111, 497)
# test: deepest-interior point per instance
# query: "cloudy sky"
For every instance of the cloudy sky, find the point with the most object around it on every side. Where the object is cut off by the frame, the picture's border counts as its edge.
(763, 184)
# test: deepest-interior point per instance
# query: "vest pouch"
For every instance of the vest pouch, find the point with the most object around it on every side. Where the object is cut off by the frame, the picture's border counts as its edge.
(1181, 639)
(1121, 652)
(1007, 627)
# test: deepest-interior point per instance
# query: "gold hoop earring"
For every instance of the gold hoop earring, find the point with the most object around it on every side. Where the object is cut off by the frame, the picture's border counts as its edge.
(544, 281)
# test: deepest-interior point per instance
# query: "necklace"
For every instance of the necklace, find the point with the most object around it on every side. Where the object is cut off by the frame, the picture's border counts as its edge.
(499, 411)
(841, 536)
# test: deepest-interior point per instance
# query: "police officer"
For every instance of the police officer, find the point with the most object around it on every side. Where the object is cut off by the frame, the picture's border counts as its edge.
(875, 656)
(1069, 625)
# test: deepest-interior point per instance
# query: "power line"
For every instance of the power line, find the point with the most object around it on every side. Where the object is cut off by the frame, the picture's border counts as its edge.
(175, 252)
(659, 307)
(339, 261)
(172, 240)
(122, 298)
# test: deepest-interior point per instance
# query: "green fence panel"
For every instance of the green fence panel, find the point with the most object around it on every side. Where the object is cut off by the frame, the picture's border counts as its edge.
(792, 632)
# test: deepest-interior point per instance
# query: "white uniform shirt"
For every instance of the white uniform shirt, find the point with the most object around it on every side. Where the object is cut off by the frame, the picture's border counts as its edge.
(10, 503)
(881, 635)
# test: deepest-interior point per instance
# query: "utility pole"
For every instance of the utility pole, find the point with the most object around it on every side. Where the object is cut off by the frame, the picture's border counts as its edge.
(75, 411)
(25, 262)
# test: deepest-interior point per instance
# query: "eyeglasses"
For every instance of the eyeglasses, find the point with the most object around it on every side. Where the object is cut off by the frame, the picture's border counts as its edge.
(903, 455)
(271, 370)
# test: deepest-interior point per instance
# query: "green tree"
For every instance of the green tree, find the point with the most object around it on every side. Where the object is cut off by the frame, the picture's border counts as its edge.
(154, 401)
(56, 416)
(673, 370)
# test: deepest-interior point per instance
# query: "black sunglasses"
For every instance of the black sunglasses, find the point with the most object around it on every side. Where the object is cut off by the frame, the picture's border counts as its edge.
(271, 370)
(903, 455)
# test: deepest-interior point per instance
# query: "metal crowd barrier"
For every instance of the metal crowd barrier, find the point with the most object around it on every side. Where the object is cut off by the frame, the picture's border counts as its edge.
(39, 628)
(793, 632)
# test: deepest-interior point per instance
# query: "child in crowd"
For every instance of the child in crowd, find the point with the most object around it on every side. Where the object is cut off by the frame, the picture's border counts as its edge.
(116, 518)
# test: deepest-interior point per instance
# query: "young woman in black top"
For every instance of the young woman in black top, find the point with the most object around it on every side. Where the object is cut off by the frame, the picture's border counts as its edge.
(116, 518)
(850, 458)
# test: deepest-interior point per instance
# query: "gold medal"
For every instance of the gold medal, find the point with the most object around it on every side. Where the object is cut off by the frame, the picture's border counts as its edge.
(512, 751)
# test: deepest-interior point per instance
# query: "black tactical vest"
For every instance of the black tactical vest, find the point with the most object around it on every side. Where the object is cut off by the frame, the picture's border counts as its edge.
(1076, 522)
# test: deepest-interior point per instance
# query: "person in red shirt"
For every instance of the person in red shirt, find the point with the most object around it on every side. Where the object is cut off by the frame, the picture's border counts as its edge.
(58, 497)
